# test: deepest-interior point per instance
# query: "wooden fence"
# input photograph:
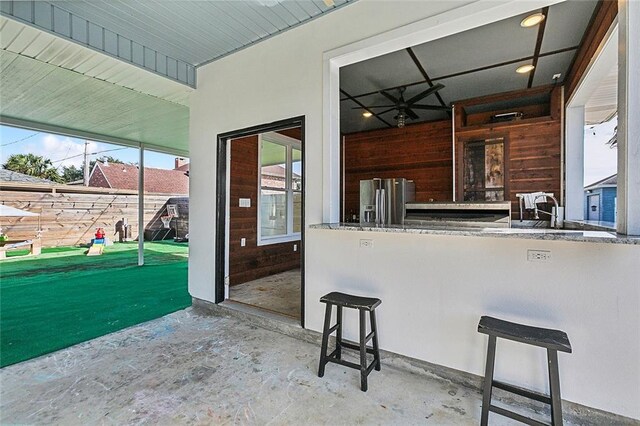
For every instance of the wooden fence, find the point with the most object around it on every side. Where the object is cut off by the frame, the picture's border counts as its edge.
(70, 215)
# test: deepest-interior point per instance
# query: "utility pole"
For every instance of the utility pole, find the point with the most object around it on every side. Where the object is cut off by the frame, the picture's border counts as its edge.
(85, 177)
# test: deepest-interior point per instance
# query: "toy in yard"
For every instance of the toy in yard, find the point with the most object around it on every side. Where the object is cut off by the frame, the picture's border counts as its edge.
(97, 244)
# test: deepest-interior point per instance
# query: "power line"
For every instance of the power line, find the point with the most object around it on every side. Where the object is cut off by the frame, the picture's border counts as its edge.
(20, 140)
(92, 153)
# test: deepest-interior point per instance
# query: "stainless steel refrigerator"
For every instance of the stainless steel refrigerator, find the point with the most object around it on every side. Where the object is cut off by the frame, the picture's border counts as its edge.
(382, 201)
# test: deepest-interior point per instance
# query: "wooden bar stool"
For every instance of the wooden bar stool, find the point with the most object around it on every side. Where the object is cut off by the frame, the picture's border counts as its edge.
(363, 304)
(552, 340)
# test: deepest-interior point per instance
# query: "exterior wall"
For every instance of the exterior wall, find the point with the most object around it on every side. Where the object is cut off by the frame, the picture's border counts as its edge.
(589, 290)
(97, 179)
(434, 288)
(251, 261)
(607, 203)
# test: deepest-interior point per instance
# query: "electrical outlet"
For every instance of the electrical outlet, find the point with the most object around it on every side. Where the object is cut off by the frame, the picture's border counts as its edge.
(366, 243)
(295, 247)
(243, 242)
(539, 255)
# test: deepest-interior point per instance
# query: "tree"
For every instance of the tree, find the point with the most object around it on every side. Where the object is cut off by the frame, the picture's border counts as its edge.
(71, 174)
(32, 165)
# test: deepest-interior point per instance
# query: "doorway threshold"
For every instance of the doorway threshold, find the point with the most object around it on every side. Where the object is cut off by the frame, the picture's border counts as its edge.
(258, 317)
(259, 312)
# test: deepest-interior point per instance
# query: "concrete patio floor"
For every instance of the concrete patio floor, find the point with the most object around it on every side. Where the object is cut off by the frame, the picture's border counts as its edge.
(189, 368)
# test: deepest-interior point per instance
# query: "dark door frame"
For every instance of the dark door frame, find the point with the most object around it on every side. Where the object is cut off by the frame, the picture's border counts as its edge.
(221, 198)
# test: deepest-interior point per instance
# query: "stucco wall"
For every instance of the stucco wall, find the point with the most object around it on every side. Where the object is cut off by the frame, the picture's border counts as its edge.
(434, 288)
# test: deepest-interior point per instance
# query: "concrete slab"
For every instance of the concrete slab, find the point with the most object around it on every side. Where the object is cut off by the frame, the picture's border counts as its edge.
(189, 368)
(279, 293)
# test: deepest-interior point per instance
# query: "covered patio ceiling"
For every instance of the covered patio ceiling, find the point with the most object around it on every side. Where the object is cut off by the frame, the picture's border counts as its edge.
(52, 84)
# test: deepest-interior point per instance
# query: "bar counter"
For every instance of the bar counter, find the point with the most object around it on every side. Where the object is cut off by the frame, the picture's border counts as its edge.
(519, 233)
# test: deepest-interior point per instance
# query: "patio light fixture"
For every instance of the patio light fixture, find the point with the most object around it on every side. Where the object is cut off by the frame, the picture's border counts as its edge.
(532, 20)
(523, 69)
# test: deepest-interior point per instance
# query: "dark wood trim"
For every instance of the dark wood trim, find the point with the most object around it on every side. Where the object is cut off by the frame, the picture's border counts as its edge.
(604, 16)
(536, 51)
(367, 109)
(420, 67)
(457, 74)
(221, 198)
(506, 95)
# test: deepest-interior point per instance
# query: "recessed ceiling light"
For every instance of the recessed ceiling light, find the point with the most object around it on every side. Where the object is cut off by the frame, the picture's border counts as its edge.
(367, 114)
(524, 69)
(532, 20)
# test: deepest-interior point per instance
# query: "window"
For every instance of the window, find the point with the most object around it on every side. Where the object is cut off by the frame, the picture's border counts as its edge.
(280, 195)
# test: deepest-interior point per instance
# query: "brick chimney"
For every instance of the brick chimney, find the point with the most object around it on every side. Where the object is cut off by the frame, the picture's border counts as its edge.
(180, 162)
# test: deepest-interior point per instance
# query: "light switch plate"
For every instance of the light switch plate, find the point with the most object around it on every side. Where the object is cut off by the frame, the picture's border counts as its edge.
(245, 202)
(243, 242)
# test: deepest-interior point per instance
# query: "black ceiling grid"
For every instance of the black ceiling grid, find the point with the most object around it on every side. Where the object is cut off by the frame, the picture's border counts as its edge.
(536, 50)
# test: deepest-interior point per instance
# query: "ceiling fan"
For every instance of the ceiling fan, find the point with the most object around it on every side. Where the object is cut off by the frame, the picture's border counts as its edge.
(405, 107)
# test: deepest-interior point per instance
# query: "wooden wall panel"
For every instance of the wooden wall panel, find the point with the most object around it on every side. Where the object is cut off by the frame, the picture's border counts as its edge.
(252, 261)
(603, 17)
(420, 152)
(533, 147)
(69, 219)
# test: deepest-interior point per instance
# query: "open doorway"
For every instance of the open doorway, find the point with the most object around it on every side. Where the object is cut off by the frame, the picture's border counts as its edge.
(263, 229)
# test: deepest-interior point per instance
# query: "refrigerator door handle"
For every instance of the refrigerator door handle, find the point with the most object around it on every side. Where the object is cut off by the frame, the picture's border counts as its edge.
(377, 209)
(383, 207)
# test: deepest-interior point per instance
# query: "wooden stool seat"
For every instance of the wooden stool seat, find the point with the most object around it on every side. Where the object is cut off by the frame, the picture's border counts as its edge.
(350, 301)
(543, 337)
(364, 305)
(552, 340)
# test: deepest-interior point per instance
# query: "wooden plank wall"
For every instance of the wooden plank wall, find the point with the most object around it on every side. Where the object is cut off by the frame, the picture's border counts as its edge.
(603, 17)
(419, 152)
(252, 261)
(533, 146)
(69, 219)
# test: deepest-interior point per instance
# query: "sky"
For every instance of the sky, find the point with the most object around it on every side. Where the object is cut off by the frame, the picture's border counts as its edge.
(600, 160)
(66, 151)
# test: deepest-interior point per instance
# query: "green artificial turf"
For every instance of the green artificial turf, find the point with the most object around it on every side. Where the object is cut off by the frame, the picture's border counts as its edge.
(64, 297)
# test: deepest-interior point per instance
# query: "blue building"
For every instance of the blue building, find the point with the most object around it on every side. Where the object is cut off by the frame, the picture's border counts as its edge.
(600, 200)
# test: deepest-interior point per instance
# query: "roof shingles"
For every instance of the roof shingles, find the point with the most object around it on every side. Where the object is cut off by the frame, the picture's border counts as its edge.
(125, 176)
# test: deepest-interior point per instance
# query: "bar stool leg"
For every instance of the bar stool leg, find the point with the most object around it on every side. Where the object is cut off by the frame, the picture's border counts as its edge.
(554, 388)
(488, 380)
(363, 351)
(376, 349)
(325, 340)
(339, 333)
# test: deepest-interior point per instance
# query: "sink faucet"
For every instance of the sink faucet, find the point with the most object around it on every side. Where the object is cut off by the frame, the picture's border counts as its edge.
(554, 216)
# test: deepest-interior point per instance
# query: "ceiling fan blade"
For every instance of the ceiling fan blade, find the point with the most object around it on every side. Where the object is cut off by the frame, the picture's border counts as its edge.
(432, 107)
(385, 111)
(412, 115)
(375, 106)
(390, 97)
(429, 91)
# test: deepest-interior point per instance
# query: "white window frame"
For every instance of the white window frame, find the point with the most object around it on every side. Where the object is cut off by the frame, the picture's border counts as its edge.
(290, 144)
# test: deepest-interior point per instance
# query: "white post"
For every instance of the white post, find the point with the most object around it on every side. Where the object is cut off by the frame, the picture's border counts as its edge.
(574, 163)
(141, 205)
(86, 171)
(628, 218)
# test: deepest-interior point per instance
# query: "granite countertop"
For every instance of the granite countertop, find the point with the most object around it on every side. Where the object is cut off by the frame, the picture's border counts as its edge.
(522, 233)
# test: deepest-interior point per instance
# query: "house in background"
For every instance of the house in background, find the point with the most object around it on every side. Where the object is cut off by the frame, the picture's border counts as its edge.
(9, 176)
(600, 200)
(157, 181)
